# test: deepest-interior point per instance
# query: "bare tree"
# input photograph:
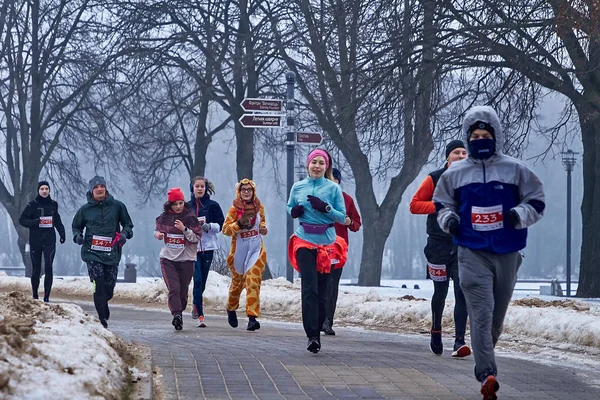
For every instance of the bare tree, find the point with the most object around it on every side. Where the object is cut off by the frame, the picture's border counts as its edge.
(556, 44)
(53, 53)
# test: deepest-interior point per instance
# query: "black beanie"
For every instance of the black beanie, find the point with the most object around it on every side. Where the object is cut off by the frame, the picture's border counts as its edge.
(482, 125)
(337, 174)
(42, 183)
(455, 144)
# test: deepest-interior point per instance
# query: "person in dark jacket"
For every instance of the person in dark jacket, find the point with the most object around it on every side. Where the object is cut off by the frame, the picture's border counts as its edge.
(442, 261)
(42, 218)
(352, 223)
(211, 218)
(101, 227)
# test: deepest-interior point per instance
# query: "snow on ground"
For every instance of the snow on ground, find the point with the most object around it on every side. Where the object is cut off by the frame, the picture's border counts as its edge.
(50, 350)
(566, 321)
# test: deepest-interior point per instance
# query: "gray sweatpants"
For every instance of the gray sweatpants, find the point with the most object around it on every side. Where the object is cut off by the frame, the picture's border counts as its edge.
(488, 281)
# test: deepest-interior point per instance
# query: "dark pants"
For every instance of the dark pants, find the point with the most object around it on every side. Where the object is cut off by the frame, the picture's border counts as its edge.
(438, 301)
(104, 278)
(314, 292)
(36, 253)
(332, 293)
(201, 268)
(177, 276)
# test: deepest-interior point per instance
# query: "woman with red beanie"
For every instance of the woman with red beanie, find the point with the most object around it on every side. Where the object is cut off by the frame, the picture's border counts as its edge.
(180, 230)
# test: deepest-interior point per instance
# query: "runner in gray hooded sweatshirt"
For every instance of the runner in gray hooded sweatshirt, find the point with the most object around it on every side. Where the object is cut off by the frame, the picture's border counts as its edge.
(486, 202)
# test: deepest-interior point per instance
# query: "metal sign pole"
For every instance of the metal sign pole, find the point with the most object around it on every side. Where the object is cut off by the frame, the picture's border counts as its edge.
(290, 147)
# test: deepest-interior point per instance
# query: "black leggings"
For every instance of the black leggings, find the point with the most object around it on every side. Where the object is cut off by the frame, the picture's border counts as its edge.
(36, 253)
(438, 301)
(314, 292)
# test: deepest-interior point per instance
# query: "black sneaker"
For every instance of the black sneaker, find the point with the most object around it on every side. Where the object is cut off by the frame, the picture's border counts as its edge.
(46, 300)
(435, 343)
(253, 324)
(313, 346)
(232, 319)
(104, 323)
(327, 328)
(461, 349)
(177, 322)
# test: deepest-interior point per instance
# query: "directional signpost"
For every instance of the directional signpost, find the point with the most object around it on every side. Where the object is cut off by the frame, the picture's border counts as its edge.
(313, 138)
(261, 120)
(273, 105)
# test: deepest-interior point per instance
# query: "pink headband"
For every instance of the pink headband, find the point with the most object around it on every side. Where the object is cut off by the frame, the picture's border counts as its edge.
(316, 153)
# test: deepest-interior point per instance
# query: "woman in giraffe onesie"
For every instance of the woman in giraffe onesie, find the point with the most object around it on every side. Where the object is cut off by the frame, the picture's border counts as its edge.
(246, 225)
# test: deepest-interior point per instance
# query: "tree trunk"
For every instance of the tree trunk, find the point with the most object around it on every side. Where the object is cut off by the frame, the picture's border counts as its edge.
(589, 278)
(374, 237)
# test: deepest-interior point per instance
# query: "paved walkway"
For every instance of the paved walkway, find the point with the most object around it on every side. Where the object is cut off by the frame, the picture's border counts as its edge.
(219, 362)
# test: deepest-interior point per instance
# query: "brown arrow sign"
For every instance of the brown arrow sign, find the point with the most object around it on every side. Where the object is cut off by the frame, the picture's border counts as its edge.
(262, 105)
(260, 120)
(309, 138)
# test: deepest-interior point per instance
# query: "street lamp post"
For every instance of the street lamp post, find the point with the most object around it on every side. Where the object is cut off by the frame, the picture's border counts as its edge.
(290, 143)
(569, 160)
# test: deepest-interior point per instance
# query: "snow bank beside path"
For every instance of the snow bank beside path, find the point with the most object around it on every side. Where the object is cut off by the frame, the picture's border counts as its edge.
(561, 321)
(55, 350)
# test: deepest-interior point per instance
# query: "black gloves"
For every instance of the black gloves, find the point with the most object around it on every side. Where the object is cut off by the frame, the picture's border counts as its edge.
(297, 211)
(78, 239)
(512, 218)
(122, 240)
(62, 240)
(454, 227)
(317, 203)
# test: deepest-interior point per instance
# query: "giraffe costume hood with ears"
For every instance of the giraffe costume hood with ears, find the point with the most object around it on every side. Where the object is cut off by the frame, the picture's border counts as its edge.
(246, 224)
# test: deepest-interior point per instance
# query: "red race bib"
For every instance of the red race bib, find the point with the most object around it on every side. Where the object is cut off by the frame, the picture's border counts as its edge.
(487, 218)
(46, 222)
(175, 240)
(249, 234)
(101, 243)
(437, 272)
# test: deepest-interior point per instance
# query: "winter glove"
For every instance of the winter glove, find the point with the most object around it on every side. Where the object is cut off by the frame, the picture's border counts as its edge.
(512, 218)
(297, 211)
(317, 203)
(454, 227)
(78, 239)
(205, 228)
(121, 239)
(244, 222)
(62, 240)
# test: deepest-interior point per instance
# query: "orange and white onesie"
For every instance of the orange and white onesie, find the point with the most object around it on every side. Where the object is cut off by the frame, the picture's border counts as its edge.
(247, 258)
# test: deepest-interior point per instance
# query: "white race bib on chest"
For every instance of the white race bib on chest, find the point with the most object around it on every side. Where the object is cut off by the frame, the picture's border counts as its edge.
(487, 218)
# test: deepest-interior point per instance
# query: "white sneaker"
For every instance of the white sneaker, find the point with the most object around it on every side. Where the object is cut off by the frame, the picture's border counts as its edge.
(201, 323)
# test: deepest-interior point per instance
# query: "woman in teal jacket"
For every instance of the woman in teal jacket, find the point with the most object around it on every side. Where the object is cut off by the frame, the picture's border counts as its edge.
(317, 202)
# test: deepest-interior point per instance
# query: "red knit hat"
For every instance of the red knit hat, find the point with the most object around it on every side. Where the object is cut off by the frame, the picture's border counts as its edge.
(175, 194)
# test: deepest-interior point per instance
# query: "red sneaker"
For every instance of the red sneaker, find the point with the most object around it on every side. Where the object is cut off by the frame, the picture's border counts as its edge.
(489, 387)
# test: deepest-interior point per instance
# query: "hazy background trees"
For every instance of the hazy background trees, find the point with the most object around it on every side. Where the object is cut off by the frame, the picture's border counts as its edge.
(149, 94)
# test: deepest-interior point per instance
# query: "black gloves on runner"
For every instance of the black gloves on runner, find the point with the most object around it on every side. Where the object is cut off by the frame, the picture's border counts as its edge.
(512, 218)
(78, 239)
(454, 227)
(317, 203)
(62, 239)
(122, 239)
(297, 211)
